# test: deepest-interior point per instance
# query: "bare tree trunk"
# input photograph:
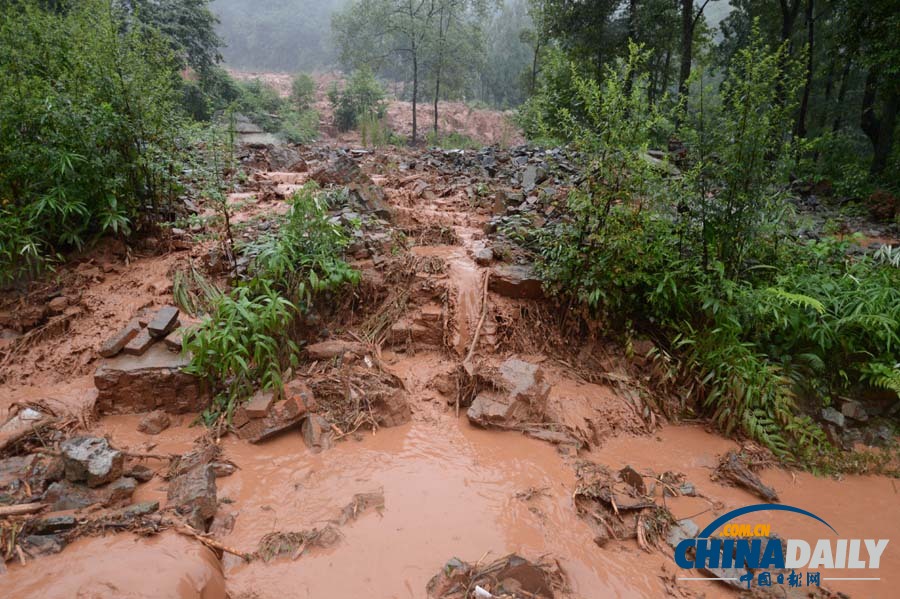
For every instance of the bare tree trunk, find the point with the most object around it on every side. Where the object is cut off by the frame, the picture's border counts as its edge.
(415, 95)
(687, 46)
(804, 103)
(879, 129)
(842, 94)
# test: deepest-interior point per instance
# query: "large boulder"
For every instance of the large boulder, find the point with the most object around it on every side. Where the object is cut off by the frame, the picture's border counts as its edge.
(91, 460)
(520, 397)
(137, 384)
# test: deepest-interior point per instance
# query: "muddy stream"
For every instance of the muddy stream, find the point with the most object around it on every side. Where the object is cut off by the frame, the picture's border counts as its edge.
(450, 489)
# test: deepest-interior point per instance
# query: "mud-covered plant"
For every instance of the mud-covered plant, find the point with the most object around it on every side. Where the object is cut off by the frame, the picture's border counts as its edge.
(305, 257)
(243, 344)
(246, 342)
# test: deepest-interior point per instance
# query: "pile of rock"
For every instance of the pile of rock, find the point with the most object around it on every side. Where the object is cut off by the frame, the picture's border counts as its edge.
(140, 374)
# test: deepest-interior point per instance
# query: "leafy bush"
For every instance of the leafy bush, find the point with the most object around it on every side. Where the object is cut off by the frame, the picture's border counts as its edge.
(246, 342)
(88, 124)
(303, 92)
(301, 127)
(759, 321)
(261, 104)
(362, 97)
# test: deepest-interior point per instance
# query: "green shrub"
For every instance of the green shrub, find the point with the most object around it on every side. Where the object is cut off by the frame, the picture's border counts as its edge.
(362, 97)
(301, 127)
(261, 104)
(303, 92)
(88, 128)
(760, 322)
(247, 340)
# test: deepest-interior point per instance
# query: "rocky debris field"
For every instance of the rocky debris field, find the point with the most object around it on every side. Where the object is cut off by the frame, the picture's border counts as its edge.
(443, 410)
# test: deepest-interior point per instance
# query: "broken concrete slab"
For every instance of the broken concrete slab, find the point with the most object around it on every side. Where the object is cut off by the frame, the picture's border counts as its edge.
(112, 346)
(154, 423)
(91, 460)
(138, 384)
(165, 321)
(193, 495)
(260, 404)
(282, 416)
(516, 281)
(139, 344)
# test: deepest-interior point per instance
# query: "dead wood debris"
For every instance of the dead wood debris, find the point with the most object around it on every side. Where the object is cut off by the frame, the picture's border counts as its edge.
(510, 577)
(737, 468)
(619, 505)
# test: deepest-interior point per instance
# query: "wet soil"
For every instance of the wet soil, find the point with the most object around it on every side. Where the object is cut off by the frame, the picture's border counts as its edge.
(450, 489)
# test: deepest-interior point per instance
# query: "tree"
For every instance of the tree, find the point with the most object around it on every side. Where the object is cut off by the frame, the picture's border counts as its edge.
(689, 19)
(456, 44)
(369, 32)
(189, 25)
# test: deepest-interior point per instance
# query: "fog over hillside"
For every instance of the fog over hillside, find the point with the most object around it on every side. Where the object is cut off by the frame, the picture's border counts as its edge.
(279, 35)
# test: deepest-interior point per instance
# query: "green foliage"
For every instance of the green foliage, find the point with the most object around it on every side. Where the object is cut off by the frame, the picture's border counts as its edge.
(303, 91)
(760, 321)
(362, 97)
(261, 104)
(246, 342)
(88, 122)
(304, 258)
(243, 343)
(300, 127)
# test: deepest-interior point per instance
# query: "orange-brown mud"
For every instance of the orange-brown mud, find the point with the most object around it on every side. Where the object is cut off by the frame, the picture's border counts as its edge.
(483, 126)
(450, 489)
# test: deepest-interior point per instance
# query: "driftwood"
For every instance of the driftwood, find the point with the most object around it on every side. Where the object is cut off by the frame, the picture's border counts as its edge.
(733, 470)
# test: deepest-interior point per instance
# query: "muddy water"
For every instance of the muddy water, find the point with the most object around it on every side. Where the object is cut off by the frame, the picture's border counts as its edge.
(450, 490)
(119, 567)
(466, 277)
(858, 507)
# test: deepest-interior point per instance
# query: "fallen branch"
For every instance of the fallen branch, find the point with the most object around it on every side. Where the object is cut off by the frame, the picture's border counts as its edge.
(21, 509)
(190, 532)
(484, 311)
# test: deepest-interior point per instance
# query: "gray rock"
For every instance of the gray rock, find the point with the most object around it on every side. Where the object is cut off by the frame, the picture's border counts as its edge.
(91, 460)
(483, 256)
(53, 524)
(854, 410)
(154, 423)
(38, 545)
(65, 495)
(316, 433)
(683, 529)
(193, 495)
(831, 415)
(522, 400)
(516, 281)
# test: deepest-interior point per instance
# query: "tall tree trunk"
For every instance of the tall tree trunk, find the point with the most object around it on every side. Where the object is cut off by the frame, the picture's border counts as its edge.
(415, 95)
(687, 46)
(842, 93)
(667, 65)
(437, 94)
(534, 66)
(804, 102)
(789, 12)
(879, 129)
